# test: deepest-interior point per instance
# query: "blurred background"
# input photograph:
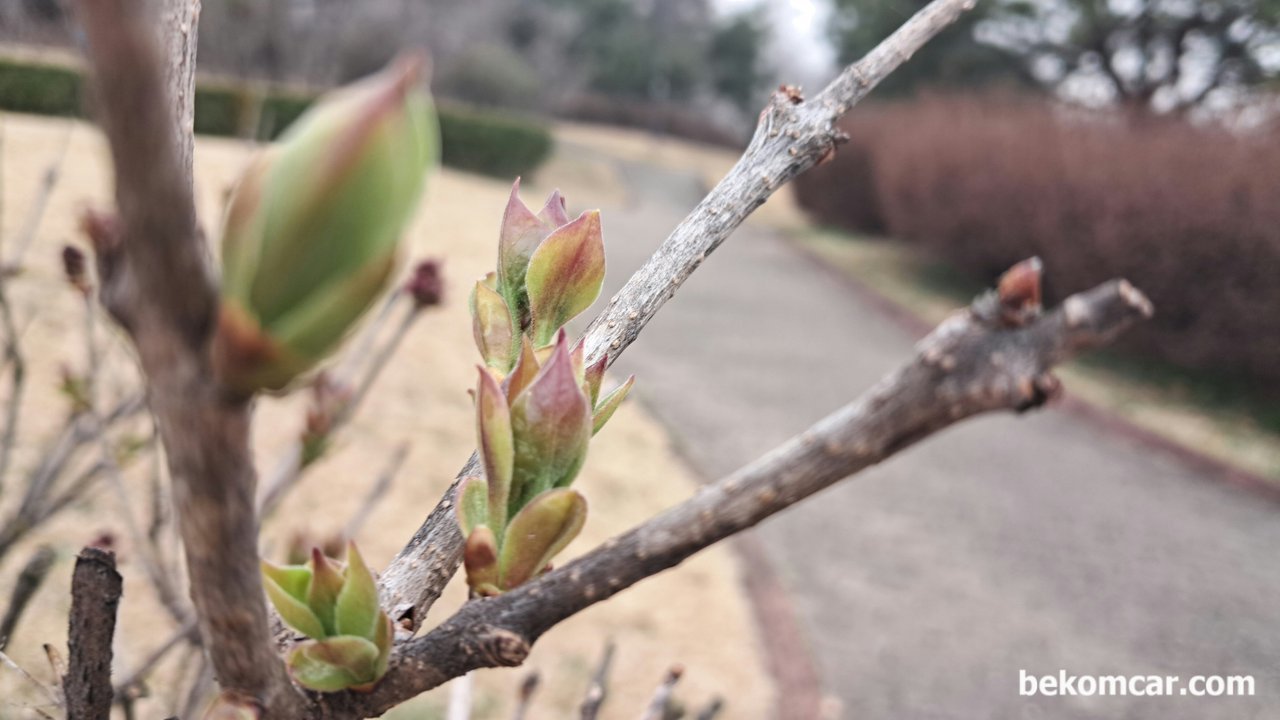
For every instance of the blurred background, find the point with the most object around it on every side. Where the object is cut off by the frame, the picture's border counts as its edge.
(1130, 530)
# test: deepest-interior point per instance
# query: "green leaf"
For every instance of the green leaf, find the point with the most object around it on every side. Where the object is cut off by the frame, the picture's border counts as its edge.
(491, 327)
(538, 532)
(292, 579)
(520, 235)
(609, 404)
(551, 424)
(293, 610)
(553, 213)
(480, 558)
(564, 275)
(524, 372)
(383, 640)
(357, 610)
(335, 663)
(473, 504)
(594, 375)
(322, 592)
(497, 448)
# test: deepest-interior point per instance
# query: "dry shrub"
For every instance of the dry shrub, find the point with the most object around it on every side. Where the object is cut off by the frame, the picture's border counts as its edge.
(1191, 215)
(842, 191)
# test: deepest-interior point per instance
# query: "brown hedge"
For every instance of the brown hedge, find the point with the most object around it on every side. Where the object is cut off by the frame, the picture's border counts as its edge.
(1189, 214)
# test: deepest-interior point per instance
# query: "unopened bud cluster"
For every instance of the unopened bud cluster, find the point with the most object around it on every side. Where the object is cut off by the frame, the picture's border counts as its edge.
(313, 228)
(336, 606)
(537, 404)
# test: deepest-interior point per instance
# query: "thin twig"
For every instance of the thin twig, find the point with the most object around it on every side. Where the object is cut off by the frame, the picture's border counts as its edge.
(362, 368)
(712, 709)
(791, 137)
(198, 693)
(54, 698)
(95, 597)
(377, 491)
(460, 698)
(598, 690)
(174, 690)
(131, 688)
(39, 502)
(524, 695)
(36, 210)
(662, 697)
(148, 552)
(17, 367)
(29, 581)
(57, 664)
(974, 362)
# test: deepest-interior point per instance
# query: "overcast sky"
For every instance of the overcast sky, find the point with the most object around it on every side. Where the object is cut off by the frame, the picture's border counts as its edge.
(799, 49)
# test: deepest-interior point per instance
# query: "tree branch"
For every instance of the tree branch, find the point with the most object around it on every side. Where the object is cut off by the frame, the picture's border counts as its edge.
(660, 703)
(156, 282)
(24, 588)
(791, 137)
(155, 253)
(95, 595)
(996, 355)
(598, 690)
(180, 22)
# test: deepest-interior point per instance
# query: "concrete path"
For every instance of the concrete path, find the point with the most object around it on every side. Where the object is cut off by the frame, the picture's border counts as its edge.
(926, 585)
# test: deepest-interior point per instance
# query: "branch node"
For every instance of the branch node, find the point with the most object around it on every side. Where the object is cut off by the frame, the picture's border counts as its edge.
(499, 647)
(791, 93)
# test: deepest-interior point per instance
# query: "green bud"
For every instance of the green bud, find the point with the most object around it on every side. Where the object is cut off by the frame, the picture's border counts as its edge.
(356, 610)
(480, 558)
(337, 607)
(473, 504)
(322, 592)
(538, 532)
(594, 376)
(312, 229)
(605, 409)
(521, 233)
(565, 275)
(551, 424)
(287, 589)
(497, 447)
(526, 369)
(491, 325)
(335, 664)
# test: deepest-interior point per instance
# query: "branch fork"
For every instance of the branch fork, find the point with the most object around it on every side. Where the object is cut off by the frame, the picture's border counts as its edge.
(156, 280)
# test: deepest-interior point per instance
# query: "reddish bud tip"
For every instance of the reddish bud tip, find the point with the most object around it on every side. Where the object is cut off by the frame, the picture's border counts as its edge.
(426, 283)
(74, 266)
(1019, 292)
(1020, 285)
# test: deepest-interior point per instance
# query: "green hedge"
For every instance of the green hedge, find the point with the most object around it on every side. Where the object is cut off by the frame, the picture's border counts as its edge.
(472, 140)
(491, 144)
(39, 89)
(221, 110)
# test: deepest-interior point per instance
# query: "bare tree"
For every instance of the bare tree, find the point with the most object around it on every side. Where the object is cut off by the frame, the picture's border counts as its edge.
(996, 354)
(1162, 55)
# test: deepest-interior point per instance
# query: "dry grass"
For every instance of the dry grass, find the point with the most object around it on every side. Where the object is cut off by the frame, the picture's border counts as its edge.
(695, 615)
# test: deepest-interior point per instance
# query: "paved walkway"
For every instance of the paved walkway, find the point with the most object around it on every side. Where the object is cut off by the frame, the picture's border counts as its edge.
(926, 585)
